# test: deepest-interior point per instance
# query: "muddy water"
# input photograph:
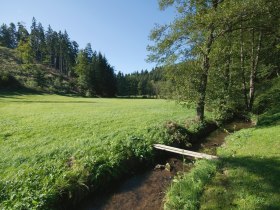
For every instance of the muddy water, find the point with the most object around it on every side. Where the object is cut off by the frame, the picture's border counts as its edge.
(210, 144)
(146, 191)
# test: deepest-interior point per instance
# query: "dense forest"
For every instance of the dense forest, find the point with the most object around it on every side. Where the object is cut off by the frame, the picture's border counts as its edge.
(224, 51)
(59, 53)
(89, 71)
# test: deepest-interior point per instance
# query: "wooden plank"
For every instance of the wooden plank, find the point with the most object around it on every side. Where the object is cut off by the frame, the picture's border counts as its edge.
(184, 152)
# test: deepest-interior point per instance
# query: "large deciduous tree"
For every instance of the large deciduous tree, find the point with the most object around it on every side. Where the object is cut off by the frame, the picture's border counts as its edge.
(191, 35)
(225, 39)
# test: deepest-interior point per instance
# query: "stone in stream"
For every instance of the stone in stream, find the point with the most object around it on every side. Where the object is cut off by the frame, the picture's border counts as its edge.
(159, 166)
(166, 167)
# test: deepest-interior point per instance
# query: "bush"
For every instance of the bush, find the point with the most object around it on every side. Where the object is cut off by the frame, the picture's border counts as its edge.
(269, 97)
(178, 134)
(8, 81)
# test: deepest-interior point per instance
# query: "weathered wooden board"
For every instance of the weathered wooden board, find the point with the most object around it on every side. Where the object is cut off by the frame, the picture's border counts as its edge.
(184, 152)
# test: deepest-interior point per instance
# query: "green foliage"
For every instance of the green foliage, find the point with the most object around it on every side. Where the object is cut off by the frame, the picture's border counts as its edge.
(95, 75)
(25, 52)
(268, 96)
(271, 117)
(186, 189)
(8, 81)
(219, 53)
(178, 134)
(8, 35)
(143, 83)
(75, 144)
(30, 75)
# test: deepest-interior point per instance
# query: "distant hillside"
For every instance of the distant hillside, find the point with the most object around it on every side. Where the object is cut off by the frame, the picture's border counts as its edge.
(14, 75)
(51, 61)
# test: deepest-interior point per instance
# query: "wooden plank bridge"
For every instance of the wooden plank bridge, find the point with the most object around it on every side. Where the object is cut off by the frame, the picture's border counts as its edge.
(184, 152)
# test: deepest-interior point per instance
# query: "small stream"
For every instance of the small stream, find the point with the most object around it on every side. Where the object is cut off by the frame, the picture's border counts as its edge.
(147, 190)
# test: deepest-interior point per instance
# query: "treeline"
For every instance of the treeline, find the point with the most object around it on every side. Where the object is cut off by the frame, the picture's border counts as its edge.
(92, 73)
(225, 50)
(143, 83)
(95, 75)
(89, 71)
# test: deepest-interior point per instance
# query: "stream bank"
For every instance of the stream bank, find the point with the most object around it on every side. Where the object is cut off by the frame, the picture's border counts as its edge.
(146, 190)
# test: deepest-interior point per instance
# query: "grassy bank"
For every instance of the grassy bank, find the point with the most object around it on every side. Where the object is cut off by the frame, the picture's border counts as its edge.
(186, 189)
(246, 177)
(54, 145)
(249, 175)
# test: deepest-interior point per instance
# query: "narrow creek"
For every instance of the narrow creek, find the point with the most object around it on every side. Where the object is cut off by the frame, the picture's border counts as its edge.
(147, 190)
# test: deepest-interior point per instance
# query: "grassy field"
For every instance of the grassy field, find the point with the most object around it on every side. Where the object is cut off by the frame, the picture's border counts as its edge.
(245, 177)
(52, 144)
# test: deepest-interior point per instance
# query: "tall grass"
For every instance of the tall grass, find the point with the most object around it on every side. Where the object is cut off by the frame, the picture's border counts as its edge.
(186, 190)
(57, 146)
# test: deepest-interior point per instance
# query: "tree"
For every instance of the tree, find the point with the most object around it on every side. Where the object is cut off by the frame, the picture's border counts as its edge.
(8, 36)
(82, 69)
(190, 35)
(244, 26)
(22, 33)
(24, 51)
(225, 38)
(50, 47)
(13, 35)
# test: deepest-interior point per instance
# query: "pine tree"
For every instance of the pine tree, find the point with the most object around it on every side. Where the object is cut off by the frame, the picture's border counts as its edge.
(6, 36)
(22, 33)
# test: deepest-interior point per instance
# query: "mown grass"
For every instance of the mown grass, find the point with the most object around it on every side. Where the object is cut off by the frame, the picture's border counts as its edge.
(52, 145)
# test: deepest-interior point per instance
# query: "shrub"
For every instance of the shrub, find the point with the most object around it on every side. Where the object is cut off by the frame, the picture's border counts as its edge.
(178, 134)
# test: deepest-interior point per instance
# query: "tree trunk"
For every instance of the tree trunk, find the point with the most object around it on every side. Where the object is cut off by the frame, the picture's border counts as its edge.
(227, 82)
(244, 88)
(205, 69)
(254, 67)
(204, 77)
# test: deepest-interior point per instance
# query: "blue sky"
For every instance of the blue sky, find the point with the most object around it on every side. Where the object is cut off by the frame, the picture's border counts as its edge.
(117, 28)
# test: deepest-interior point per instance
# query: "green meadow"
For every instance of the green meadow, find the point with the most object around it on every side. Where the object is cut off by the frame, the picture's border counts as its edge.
(53, 145)
(246, 176)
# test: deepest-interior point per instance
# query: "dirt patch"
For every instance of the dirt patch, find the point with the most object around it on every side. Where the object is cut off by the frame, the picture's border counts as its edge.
(143, 191)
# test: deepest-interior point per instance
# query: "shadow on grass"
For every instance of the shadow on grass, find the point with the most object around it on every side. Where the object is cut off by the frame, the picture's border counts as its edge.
(54, 102)
(9, 94)
(23, 91)
(260, 179)
(14, 93)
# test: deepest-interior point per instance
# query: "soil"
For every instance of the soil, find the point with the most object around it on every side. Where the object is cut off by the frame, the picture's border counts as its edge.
(146, 191)
(143, 191)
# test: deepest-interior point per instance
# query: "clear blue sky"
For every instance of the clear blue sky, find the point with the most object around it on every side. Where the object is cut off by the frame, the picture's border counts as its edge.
(117, 28)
